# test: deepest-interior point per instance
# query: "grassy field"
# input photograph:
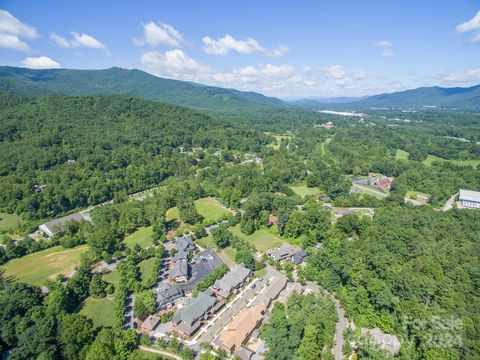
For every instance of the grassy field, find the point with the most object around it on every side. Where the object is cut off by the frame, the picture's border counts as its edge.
(231, 253)
(36, 268)
(278, 139)
(9, 222)
(100, 311)
(304, 190)
(113, 278)
(206, 242)
(143, 237)
(209, 208)
(262, 239)
(146, 268)
(401, 155)
(431, 158)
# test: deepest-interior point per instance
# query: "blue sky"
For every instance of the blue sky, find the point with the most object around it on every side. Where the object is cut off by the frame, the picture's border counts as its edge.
(281, 48)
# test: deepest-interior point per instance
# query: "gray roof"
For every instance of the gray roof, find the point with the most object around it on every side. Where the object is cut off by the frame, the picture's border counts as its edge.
(180, 269)
(243, 353)
(196, 308)
(299, 256)
(55, 224)
(469, 195)
(169, 295)
(233, 279)
(184, 243)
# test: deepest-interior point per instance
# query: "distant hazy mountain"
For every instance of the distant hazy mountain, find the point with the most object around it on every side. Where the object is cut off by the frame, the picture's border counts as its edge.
(457, 97)
(313, 102)
(28, 82)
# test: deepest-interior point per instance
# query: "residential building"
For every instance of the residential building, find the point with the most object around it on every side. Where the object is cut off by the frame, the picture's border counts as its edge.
(469, 199)
(53, 227)
(179, 271)
(231, 281)
(166, 297)
(241, 327)
(187, 320)
(149, 325)
(273, 290)
(287, 252)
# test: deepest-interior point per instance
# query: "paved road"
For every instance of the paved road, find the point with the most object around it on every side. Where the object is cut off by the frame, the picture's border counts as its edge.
(160, 352)
(357, 186)
(341, 322)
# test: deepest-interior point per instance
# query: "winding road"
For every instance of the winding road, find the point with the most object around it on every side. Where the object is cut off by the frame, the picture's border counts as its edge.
(341, 322)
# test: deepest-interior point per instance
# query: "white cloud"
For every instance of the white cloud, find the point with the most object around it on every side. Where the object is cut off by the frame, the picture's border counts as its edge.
(472, 24)
(13, 31)
(77, 41)
(388, 53)
(383, 44)
(227, 44)
(163, 34)
(337, 72)
(469, 77)
(41, 62)
(59, 40)
(85, 40)
(271, 79)
(280, 51)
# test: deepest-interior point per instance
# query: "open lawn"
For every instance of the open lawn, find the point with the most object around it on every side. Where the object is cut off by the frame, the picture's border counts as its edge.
(304, 190)
(231, 253)
(100, 311)
(9, 222)
(146, 268)
(262, 239)
(36, 268)
(206, 242)
(431, 158)
(113, 278)
(209, 208)
(401, 155)
(276, 144)
(143, 237)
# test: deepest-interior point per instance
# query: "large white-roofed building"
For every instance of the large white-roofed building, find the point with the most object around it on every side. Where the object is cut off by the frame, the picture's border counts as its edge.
(469, 199)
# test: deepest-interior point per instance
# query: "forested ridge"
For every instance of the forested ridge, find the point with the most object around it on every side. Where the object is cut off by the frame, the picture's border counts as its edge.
(119, 144)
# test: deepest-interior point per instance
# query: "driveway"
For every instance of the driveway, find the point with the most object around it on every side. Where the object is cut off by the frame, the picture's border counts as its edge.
(160, 352)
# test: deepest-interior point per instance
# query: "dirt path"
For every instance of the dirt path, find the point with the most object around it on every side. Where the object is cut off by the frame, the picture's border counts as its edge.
(226, 259)
(449, 203)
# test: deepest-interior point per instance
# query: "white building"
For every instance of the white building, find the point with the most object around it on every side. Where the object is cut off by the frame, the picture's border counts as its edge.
(469, 199)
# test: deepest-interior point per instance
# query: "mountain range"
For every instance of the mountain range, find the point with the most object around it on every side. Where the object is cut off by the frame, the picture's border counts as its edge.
(29, 82)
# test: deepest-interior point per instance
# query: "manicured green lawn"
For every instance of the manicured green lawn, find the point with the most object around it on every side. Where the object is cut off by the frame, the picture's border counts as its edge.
(209, 208)
(304, 190)
(431, 158)
(9, 222)
(113, 278)
(231, 253)
(143, 237)
(206, 242)
(36, 268)
(262, 239)
(401, 155)
(146, 268)
(100, 311)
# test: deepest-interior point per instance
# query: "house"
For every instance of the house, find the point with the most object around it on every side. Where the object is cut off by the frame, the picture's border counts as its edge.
(423, 197)
(380, 181)
(166, 297)
(179, 272)
(241, 327)
(184, 246)
(287, 252)
(469, 199)
(274, 289)
(231, 281)
(299, 257)
(53, 227)
(149, 325)
(38, 188)
(187, 320)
